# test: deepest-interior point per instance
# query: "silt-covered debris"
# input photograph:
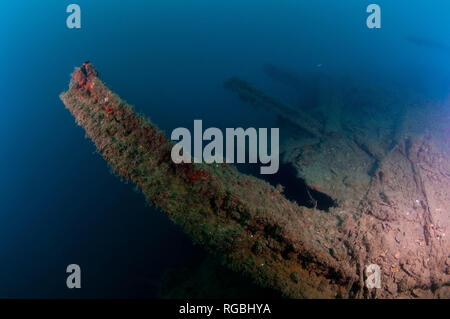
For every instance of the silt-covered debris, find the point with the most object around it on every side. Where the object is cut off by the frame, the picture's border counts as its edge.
(255, 230)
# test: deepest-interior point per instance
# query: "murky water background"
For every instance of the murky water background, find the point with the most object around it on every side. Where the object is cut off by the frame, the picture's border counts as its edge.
(60, 205)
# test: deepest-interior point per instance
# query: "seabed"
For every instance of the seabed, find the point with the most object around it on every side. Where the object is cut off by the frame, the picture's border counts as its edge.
(384, 164)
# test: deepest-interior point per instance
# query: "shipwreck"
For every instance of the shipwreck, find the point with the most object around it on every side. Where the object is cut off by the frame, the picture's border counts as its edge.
(389, 180)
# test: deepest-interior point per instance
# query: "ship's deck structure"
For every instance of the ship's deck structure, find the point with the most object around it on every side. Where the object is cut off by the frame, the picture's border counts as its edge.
(387, 169)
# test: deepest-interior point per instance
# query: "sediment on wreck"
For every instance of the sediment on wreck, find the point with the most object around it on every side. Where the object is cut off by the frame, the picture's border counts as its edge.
(387, 162)
(258, 98)
(396, 216)
(245, 221)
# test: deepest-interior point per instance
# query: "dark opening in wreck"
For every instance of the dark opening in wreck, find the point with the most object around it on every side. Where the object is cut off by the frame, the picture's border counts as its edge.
(294, 188)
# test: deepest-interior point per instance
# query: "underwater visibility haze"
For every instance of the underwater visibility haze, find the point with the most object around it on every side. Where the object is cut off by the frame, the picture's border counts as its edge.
(364, 173)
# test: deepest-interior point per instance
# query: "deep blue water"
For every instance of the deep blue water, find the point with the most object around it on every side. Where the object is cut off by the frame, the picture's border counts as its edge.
(58, 202)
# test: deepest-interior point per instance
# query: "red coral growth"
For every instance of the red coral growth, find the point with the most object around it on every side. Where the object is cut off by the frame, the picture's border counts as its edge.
(193, 174)
(89, 69)
(84, 77)
(276, 193)
(79, 77)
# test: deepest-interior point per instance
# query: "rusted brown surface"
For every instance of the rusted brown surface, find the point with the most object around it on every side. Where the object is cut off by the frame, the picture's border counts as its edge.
(301, 252)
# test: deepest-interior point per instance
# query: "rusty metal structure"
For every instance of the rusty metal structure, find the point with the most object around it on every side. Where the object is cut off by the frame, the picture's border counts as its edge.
(391, 192)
